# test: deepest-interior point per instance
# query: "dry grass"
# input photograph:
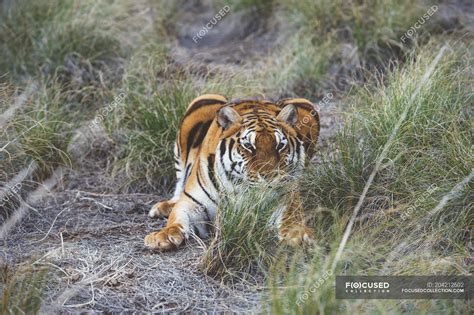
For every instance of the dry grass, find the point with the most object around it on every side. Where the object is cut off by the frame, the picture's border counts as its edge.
(96, 258)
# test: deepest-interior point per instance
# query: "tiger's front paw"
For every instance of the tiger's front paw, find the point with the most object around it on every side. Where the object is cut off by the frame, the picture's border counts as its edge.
(168, 238)
(162, 208)
(297, 235)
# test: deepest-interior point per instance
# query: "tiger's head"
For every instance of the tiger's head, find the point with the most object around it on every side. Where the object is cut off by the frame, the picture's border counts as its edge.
(258, 143)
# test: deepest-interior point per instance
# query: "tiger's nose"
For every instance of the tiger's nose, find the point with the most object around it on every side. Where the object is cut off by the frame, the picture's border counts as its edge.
(264, 168)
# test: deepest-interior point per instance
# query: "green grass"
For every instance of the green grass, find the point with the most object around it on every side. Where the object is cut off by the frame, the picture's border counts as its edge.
(370, 25)
(245, 241)
(330, 42)
(300, 68)
(39, 37)
(148, 117)
(72, 51)
(263, 7)
(22, 290)
(431, 147)
(39, 131)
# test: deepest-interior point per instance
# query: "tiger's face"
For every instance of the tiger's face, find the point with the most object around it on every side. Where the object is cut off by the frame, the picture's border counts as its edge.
(257, 146)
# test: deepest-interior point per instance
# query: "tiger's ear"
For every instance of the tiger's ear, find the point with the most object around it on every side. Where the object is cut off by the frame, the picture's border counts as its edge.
(227, 116)
(288, 114)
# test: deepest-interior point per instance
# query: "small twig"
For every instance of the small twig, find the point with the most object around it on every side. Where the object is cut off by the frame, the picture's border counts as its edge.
(51, 227)
(62, 243)
(99, 203)
(108, 195)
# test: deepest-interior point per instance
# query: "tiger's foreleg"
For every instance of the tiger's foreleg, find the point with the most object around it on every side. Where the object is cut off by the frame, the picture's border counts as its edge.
(184, 216)
(293, 229)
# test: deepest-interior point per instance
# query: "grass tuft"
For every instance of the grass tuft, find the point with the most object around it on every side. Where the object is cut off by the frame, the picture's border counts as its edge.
(146, 122)
(245, 241)
(22, 291)
(39, 37)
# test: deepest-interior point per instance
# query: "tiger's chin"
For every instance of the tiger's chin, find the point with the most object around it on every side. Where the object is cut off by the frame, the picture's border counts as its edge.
(273, 181)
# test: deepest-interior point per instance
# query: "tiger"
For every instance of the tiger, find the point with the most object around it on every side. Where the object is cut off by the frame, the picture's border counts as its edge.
(221, 144)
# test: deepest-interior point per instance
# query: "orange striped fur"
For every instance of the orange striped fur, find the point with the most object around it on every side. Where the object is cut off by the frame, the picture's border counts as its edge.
(222, 144)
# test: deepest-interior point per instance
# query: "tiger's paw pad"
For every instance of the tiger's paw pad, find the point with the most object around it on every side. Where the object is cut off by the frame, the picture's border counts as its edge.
(162, 208)
(297, 236)
(168, 238)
